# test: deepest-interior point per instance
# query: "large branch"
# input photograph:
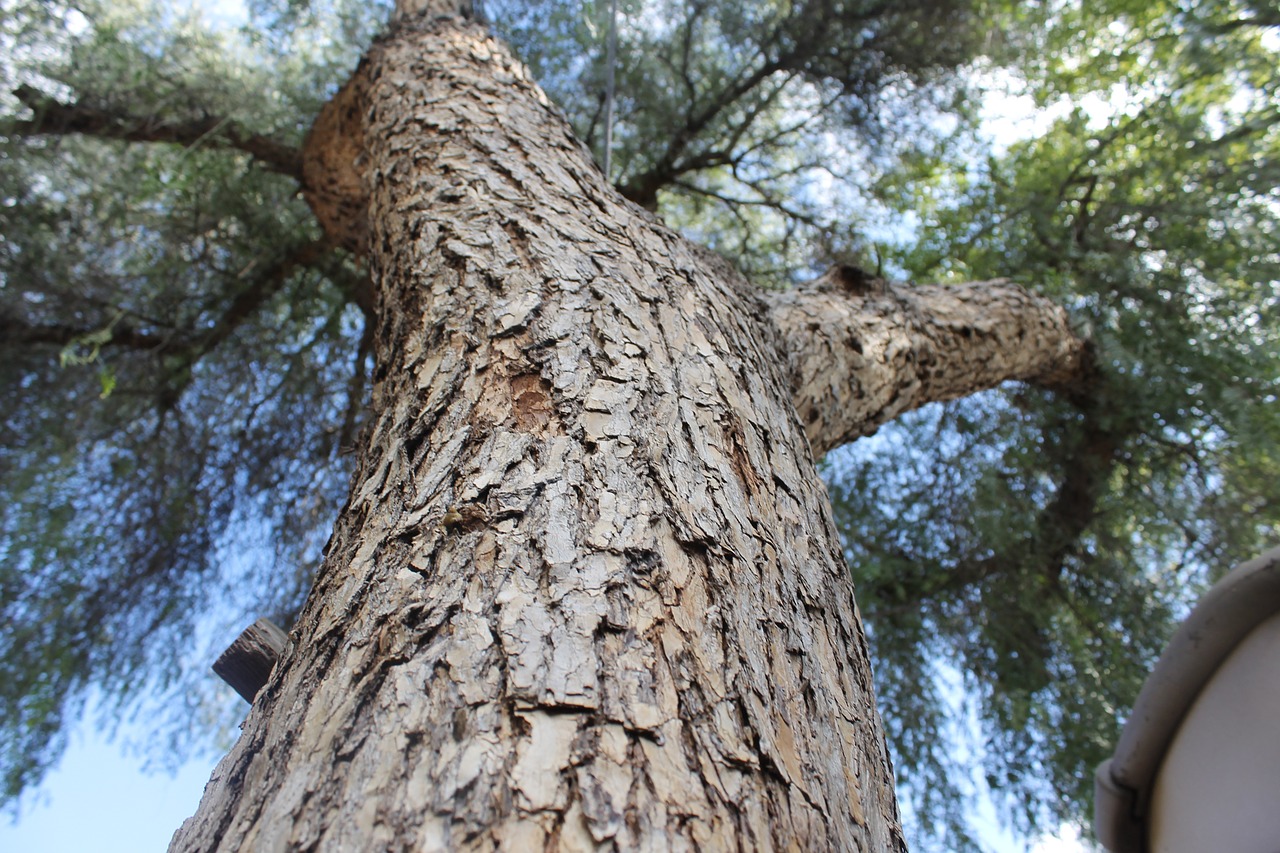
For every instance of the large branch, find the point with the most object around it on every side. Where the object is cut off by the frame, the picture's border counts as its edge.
(179, 347)
(862, 355)
(16, 330)
(53, 117)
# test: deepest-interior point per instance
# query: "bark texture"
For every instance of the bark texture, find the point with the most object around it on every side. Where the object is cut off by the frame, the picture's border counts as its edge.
(586, 592)
(859, 359)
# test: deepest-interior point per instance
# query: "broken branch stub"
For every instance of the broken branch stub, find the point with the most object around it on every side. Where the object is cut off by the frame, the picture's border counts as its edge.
(247, 663)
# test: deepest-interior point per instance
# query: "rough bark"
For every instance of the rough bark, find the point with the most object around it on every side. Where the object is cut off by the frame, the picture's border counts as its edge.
(860, 358)
(333, 178)
(587, 591)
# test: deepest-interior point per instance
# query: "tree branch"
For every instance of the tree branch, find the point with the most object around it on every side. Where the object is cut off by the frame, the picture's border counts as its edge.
(1262, 19)
(766, 200)
(1090, 457)
(862, 352)
(643, 189)
(55, 118)
(180, 348)
(16, 330)
(266, 283)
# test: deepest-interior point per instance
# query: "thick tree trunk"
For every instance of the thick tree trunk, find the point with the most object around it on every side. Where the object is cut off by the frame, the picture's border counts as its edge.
(586, 591)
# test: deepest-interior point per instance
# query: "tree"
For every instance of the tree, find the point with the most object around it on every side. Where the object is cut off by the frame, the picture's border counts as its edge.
(585, 583)
(581, 438)
(585, 588)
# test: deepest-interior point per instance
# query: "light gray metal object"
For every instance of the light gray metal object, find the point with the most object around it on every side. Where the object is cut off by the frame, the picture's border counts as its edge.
(1125, 784)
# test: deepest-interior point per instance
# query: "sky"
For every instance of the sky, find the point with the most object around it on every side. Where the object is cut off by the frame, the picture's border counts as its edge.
(100, 798)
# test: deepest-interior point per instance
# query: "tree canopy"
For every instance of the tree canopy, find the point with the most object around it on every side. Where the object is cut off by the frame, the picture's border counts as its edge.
(185, 354)
(1041, 545)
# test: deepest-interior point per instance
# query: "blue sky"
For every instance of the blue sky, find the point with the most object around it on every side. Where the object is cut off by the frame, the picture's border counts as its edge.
(99, 800)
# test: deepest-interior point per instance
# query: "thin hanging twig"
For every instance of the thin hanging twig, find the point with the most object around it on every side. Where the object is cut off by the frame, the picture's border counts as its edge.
(611, 63)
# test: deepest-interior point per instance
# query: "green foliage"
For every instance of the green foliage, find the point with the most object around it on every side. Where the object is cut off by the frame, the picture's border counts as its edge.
(173, 380)
(746, 124)
(1053, 541)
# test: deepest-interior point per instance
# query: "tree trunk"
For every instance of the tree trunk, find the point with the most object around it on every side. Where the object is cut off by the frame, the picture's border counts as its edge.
(586, 591)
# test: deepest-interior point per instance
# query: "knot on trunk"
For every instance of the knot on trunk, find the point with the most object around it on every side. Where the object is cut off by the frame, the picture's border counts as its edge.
(333, 166)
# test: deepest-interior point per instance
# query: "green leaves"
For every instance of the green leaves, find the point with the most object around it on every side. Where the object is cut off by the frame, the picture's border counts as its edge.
(1057, 540)
(84, 348)
(176, 369)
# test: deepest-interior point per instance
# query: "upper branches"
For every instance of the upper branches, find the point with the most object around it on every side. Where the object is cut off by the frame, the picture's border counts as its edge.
(53, 117)
(179, 348)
